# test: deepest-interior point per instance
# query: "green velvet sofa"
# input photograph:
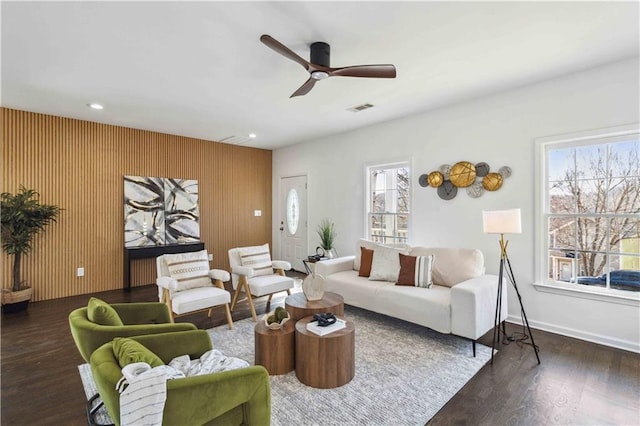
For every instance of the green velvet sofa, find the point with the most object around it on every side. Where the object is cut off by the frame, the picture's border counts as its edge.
(138, 319)
(236, 397)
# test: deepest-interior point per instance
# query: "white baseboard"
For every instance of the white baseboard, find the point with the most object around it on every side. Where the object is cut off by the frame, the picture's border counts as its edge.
(626, 345)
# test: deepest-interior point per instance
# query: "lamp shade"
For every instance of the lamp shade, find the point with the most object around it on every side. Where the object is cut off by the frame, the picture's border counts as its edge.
(502, 222)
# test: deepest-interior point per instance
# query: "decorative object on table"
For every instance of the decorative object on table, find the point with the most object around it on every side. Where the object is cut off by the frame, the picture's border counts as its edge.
(506, 222)
(316, 326)
(326, 232)
(23, 217)
(464, 174)
(276, 319)
(324, 319)
(160, 211)
(313, 286)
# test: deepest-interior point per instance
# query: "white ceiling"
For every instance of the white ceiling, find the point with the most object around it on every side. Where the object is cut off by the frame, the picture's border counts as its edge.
(198, 69)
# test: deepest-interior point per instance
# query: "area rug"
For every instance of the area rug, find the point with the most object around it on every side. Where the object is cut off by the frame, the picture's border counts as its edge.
(404, 374)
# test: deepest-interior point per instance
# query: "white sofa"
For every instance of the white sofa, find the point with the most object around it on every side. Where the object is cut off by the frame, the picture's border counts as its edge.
(461, 301)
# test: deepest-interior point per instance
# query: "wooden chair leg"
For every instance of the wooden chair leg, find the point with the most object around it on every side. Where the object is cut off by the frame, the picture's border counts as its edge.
(288, 292)
(228, 313)
(250, 298)
(235, 296)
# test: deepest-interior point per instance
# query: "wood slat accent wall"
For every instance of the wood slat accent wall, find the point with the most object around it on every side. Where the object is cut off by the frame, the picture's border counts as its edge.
(79, 166)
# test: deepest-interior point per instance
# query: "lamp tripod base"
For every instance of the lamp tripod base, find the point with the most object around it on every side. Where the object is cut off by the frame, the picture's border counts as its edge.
(505, 268)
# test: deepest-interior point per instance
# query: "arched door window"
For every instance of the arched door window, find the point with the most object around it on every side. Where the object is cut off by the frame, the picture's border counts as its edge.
(293, 211)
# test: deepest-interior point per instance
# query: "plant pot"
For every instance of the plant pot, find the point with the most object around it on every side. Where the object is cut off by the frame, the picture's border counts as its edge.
(16, 301)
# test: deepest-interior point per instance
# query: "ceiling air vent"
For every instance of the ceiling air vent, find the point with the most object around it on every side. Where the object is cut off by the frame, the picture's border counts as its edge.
(235, 140)
(359, 108)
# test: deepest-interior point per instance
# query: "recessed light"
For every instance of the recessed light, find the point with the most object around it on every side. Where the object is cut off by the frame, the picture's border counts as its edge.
(95, 106)
(252, 135)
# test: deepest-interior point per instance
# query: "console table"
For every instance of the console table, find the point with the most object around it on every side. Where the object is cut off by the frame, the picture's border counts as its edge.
(146, 252)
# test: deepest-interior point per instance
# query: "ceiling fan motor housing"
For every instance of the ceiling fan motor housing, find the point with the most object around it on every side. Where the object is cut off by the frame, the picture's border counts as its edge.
(320, 54)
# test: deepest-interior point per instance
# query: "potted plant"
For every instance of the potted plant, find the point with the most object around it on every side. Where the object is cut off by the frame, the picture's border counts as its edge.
(22, 217)
(327, 235)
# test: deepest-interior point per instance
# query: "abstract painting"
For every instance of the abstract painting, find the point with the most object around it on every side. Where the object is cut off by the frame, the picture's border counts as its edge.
(160, 211)
(181, 211)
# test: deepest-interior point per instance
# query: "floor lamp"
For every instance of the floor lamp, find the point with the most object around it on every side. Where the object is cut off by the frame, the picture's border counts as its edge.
(506, 222)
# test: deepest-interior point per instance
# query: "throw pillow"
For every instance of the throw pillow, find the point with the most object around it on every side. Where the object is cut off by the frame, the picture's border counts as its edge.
(366, 258)
(190, 270)
(386, 264)
(100, 312)
(372, 246)
(257, 258)
(128, 351)
(415, 271)
(452, 266)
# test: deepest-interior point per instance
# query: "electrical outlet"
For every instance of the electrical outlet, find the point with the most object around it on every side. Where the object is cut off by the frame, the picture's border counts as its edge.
(210, 257)
(80, 272)
(257, 213)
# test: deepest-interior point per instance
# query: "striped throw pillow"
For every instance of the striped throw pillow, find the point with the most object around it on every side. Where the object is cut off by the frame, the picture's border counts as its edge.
(257, 258)
(415, 271)
(190, 270)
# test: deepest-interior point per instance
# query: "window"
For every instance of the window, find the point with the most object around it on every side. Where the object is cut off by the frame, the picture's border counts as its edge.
(388, 205)
(590, 212)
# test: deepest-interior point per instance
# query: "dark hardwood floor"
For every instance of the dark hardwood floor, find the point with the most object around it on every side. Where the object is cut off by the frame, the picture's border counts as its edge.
(577, 383)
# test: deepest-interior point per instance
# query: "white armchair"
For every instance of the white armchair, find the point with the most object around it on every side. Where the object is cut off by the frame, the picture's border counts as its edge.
(255, 274)
(186, 284)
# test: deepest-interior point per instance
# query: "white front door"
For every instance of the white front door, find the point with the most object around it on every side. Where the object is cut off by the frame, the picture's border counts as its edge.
(293, 220)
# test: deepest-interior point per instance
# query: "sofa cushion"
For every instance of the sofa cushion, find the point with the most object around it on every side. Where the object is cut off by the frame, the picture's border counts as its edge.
(452, 266)
(199, 298)
(257, 258)
(386, 264)
(100, 312)
(366, 258)
(415, 271)
(128, 351)
(190, 270)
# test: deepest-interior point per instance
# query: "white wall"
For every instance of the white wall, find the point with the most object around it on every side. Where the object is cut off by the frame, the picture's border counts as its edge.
(498, 130)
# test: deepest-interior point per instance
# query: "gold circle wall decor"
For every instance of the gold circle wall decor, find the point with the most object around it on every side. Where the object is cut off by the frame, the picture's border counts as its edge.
(435, 179)
(492, 181)
(462, 174)
(476, 178)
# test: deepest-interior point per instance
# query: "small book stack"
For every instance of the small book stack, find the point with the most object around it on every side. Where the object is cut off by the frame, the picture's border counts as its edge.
(321, 331)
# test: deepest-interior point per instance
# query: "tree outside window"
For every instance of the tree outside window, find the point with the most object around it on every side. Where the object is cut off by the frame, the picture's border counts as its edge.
(593, 206)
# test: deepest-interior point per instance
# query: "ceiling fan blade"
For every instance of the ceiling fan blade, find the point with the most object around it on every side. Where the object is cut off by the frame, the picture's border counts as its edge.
(305, 88)
(283, 50)
(374, 71)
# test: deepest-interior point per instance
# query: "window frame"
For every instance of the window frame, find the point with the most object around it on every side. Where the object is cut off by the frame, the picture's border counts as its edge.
(541, 280)
(369, 168)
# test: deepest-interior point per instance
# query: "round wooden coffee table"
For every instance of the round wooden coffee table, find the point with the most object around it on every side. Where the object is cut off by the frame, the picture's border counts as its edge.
(274, 348)
(299, 307)
(325, 361)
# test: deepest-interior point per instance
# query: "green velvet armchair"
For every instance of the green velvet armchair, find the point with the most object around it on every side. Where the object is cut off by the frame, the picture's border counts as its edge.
(138, 319)
(235, 397)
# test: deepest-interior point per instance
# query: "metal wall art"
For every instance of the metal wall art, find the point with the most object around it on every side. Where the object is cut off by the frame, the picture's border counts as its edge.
(160, 211)
(476, 178)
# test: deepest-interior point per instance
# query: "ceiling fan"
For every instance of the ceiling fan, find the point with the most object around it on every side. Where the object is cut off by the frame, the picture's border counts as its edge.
(319, 67)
